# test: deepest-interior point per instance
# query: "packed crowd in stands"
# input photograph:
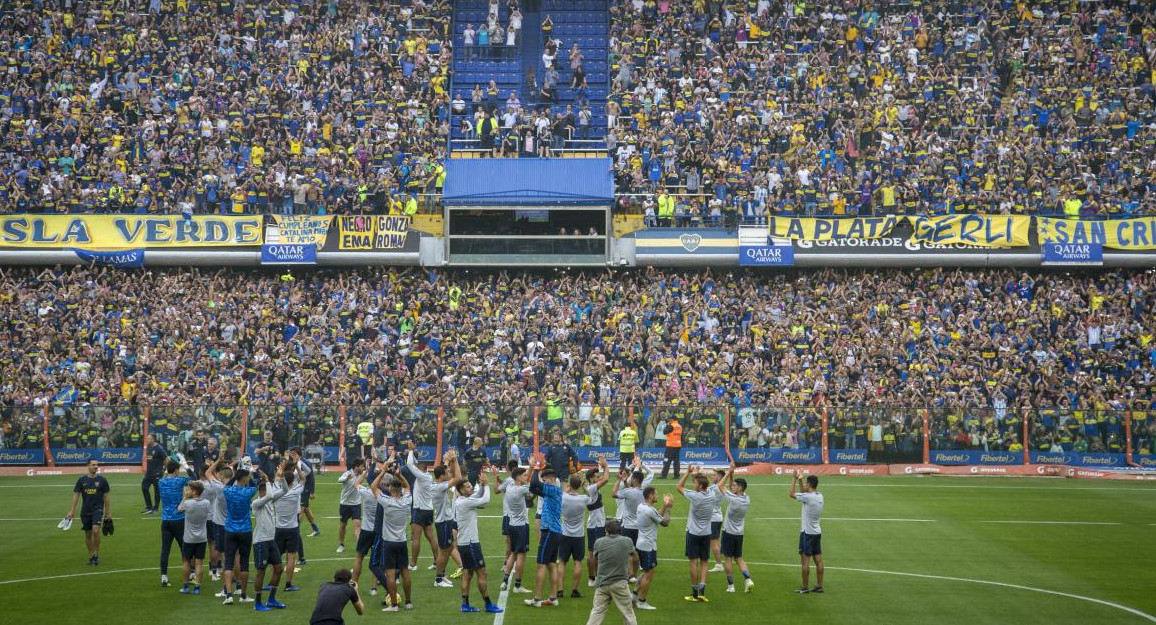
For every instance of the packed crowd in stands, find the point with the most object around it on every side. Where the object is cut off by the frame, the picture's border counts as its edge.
(980, 350)
(188, 106)
(782, 107)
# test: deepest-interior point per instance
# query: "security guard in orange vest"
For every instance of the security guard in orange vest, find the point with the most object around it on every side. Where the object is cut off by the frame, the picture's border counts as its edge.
(673, 431)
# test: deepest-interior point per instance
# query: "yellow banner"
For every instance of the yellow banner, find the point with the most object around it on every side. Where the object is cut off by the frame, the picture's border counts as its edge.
(811, 229)
(356, 232)
(121, 232)
(303, 229)
(974, 230)
(1117, 234)
(373, 232)
(390, 232)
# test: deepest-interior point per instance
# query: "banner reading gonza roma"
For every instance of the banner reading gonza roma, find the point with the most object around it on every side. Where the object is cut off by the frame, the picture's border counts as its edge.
(1118, 234)
(372, 232)
(303, 229)
(974, 230)
(812, 229)
(122, 232)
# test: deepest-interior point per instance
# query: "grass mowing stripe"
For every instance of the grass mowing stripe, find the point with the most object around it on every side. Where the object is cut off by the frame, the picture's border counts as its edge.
(1055, 522)
(502, 598)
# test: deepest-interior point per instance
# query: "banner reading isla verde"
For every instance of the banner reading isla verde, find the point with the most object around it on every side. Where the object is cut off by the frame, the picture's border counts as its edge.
(1116, 234)
(124, 232)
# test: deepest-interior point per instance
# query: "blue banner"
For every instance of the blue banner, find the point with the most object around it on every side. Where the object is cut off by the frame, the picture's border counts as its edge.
(766, 255)
(847, 456)
(285, 254)
(1077, 459)
(124, 259)
(780, 455)
(21, 456)
(1146, 461)
(1072, 254)
(975, 456)
(106, 455)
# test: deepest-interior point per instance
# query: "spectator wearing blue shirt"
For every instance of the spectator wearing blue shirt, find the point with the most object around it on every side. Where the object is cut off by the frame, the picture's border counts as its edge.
(544, 483)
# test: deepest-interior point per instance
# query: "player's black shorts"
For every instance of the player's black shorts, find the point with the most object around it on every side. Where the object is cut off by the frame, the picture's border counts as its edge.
(647, 560)
(631, 533)
(349, 513)
(193, 551)
(238, 544)
(305, 499)
(390, 555)
(472, 558)
(810, 544)
(420, 517)
(715, 529)
(92, 519)
(505, 525)
(593, 534)
(519, 538)
(548, 543)
(571, 548)
(732, 545)
(697, 547)
(265, 553)
(445, 532)
(288, 539)
(216, 534)
(365, 541)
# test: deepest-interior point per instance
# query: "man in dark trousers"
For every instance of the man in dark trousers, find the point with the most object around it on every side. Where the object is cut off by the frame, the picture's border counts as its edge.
(673, 432)
(155, 457)
(611, 554)
(559, 455)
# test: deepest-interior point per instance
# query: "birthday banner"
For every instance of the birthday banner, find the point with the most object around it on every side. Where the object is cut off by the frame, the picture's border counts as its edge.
(128, 232)
(303, 229)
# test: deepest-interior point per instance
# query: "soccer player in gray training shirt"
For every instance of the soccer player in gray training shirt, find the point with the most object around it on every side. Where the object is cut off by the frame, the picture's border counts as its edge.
(702, 500)
(264, 532)
(422, 517)
(390, 550)
(629, 490)
(197, 511)
(596, 520)
(575, 503)
(811, 536)
(350, 503)
(647, 546)
(515, 490)
(611, 554)
(469, 544)
(733, 526)
(288, 509)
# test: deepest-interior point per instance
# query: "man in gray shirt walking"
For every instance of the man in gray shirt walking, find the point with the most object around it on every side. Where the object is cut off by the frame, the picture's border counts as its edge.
(611, 555)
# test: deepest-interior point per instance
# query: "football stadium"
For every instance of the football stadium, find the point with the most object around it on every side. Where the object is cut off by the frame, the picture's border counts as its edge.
(351, 311)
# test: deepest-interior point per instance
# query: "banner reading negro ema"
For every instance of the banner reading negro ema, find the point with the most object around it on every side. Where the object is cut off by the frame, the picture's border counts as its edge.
(123, 232)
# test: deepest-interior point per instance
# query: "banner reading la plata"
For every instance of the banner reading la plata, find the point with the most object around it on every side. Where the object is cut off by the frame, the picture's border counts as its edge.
(125, 232)
(813, 229)
(1118, 234)
(974, 230)
(303, 229)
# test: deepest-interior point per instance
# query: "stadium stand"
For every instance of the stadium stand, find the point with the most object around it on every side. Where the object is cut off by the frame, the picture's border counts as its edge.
(982, 350)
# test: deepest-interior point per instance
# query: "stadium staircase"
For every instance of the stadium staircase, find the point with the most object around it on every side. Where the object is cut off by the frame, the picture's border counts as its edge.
(585, 22)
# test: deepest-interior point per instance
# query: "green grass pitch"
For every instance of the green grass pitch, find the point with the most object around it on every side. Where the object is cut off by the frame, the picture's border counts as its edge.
(898, 550)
